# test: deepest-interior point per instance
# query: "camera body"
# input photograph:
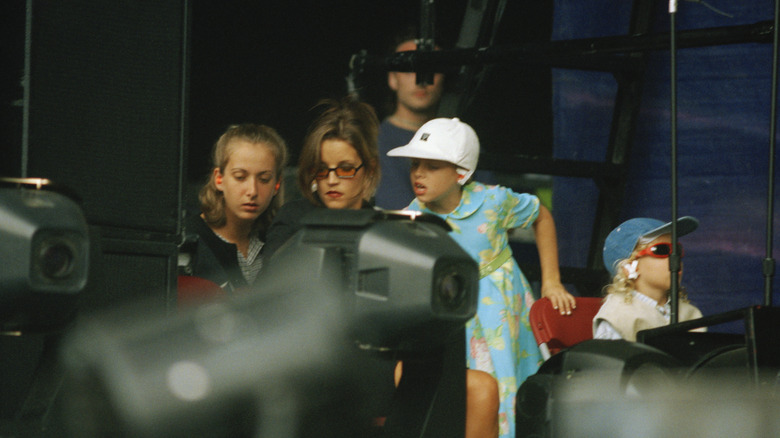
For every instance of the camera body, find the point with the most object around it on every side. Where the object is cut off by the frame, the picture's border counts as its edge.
(404, 282)
(44, 252)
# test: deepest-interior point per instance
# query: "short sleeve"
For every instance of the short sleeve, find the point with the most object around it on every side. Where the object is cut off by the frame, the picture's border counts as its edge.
(518, 210)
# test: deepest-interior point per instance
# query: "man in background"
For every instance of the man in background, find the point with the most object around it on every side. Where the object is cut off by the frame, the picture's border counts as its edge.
(415, 104)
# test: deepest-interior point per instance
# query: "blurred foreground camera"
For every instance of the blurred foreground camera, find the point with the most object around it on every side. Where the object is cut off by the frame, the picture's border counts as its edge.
(671, 382)
(404, 281)
(44, 254)
(289, 358)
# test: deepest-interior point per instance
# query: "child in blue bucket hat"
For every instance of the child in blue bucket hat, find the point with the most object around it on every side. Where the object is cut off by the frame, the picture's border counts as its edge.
(636, 255)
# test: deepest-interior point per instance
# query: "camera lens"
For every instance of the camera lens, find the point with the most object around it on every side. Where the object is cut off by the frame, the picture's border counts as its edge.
(450, 290)
(56, 260)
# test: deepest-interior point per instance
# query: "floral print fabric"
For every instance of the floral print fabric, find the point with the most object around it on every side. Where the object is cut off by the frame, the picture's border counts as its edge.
(499, 339)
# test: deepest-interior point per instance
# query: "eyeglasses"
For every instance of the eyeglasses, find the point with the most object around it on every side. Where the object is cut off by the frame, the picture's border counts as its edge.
(660, 250)
(342, 171)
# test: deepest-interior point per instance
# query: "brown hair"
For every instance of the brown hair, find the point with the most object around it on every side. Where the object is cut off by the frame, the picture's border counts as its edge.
(348, 120)
(212, 200)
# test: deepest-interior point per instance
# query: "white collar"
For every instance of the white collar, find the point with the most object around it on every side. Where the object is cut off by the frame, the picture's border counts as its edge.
(663, 309)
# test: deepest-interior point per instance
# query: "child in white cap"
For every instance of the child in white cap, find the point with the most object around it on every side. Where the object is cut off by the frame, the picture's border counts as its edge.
(499, 340)
(636, 254)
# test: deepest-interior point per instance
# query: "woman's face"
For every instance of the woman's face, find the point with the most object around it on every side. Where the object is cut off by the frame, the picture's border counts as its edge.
(249, 181)
(335, 192)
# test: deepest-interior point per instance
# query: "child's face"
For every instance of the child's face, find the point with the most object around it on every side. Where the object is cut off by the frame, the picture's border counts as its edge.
(249, 181)
(435, 183)
(654, 276)
(341, 193)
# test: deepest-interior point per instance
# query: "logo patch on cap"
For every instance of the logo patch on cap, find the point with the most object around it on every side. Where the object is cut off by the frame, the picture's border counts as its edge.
(425, 136)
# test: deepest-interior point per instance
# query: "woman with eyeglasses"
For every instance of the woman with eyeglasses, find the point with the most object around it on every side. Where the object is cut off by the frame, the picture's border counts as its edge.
(636, 254)
(338, 166)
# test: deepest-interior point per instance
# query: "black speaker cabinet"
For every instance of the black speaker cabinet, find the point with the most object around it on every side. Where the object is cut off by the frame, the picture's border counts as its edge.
(613, 368)
(101, 110)
(756, 349)
(105, 110)
(687, 378)
(105, 107)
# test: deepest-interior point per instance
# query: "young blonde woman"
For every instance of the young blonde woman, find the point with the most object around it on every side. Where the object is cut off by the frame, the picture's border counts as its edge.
(238, 203)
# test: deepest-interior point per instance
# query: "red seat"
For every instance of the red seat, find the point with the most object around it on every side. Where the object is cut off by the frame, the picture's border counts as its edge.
(191, 289)
(554, 332)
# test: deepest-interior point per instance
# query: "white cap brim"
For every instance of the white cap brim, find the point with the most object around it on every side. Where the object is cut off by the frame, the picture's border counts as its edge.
(413, 151)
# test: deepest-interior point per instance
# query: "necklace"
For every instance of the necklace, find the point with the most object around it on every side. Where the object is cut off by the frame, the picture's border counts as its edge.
(399, 121)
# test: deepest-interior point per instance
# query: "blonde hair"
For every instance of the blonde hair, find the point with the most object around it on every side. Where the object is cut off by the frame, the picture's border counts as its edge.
(622, 285)
(212, 200)
(348, 120)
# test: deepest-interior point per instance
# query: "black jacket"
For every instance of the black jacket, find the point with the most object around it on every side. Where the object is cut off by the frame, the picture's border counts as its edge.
(213, 258)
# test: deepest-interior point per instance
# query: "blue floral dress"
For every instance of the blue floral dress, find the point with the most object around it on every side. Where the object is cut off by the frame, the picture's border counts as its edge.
(499, 339)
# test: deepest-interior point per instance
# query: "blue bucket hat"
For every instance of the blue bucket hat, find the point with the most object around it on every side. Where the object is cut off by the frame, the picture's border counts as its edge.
(622, 240)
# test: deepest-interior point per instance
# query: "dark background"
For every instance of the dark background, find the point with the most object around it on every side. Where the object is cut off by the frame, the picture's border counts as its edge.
(271, 62)
(249, 61)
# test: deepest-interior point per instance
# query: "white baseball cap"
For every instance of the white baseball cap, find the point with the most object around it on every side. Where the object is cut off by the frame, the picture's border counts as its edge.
(444, 139)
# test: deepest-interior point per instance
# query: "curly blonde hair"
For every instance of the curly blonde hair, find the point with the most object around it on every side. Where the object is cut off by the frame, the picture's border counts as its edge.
(212, 200)
(622, 285)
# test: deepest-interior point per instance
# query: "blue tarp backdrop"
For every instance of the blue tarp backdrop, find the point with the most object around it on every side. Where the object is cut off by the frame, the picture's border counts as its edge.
(723, 126)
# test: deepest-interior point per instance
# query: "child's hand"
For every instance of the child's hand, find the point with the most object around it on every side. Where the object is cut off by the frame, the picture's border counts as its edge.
(560, 298)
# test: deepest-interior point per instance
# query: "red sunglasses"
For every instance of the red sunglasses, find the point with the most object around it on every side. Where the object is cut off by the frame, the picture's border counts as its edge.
(660, 250)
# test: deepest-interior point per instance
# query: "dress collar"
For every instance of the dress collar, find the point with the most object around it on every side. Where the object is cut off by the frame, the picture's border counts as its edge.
(471, 199)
